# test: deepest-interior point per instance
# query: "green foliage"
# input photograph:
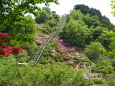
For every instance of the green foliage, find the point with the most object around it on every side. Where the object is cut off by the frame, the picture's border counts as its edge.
(13, 21)
(25, 29)
(42, 16)
(51, 25)
(112, 80)
(105, 22)
(76, 15)
(112, 48)
(112, 45)
(50, 75)
(23, 57)
(62, 75)
(95, 14)
(93, 51)
(106, 38)
(13, 74)
(48, 19)
(84, 25)
(47, 54)
(7, 72)
(99, 81)
(104, 66)
(91, 21)
(10, 9)
(77, 33)
(82, 29)
(84, 9)
(98, 31)
(31, 48)
(113, 6)
(24, 32)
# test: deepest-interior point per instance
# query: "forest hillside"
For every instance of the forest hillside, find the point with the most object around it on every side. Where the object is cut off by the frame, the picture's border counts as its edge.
(76, 49)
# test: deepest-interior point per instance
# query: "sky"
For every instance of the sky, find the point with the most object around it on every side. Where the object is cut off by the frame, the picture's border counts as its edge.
(66, 5)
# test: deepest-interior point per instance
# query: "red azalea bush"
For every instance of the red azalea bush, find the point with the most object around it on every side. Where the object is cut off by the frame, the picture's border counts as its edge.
(6, 35)
(5, 48)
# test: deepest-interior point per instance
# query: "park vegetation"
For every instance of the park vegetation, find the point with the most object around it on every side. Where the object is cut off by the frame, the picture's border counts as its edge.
(82, 53)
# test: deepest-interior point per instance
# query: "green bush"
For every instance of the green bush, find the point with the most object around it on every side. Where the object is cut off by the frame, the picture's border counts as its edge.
(8, 70)
(103, 66)
(94, 51)
(112, 81)
(98, 81)
(23, 57)
(13, 74)
(50, 75)
(63, 75)
(25, 29)
(47, 54)
(77, 33)
(31, 48)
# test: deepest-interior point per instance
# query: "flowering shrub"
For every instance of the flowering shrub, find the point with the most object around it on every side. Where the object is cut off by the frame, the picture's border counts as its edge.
(6, 35)
(62, 44)
(62, 47)
(40, 39)
(5, 48)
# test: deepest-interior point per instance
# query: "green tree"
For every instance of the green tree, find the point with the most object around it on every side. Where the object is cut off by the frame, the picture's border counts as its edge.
(95, 12)
(94, 51)
(112, 45)
(76, 15)
(106, 38)
(104, 66)
(112, 49)
(42, 16)
(102, 21)
(47, 9)
(84, 9)
(63, 75)
(113, 6)
(77, 33)
(91, 21)
(97, 32)
(11, 9)
(24, 30)
(48, 18)
(105, 22)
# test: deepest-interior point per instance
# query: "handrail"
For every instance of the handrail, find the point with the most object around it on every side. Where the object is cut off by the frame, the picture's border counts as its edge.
(42, 47)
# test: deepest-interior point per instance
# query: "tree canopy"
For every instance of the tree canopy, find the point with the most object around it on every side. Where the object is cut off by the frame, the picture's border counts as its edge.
(11, 9)
(113, 6)
(104, 21)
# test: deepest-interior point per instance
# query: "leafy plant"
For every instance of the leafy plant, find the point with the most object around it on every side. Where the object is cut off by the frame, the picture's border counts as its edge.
(5, 45)
(99, 81)
(93, 51)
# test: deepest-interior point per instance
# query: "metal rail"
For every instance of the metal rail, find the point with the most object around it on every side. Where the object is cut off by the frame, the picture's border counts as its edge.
(42, 47)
